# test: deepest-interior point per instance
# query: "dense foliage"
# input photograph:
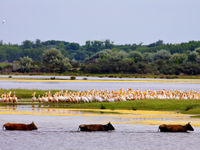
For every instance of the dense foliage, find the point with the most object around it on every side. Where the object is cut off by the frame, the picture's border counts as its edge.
(102, 57)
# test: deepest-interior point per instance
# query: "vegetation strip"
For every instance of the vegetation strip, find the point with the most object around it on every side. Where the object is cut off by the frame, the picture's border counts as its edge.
(96, 57)
(183, 106)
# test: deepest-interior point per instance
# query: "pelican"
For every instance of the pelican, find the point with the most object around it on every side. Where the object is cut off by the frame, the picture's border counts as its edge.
(45, 99)
(33, 98)
(14, 99)
(39, 99)
(1, 98)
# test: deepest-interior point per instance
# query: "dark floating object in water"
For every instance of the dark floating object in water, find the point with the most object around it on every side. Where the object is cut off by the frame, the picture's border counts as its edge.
(96, 127)
(175, 128)
(20, 126)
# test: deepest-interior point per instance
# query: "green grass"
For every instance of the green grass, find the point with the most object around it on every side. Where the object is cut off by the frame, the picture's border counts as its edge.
(2, 65)
(182, 106)
(197, 116)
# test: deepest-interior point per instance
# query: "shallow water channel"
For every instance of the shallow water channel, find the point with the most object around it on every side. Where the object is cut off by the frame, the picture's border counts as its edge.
(58, 129)
(101, 85)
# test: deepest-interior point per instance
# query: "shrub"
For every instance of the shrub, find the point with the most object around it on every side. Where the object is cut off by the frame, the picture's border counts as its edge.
(72, 78)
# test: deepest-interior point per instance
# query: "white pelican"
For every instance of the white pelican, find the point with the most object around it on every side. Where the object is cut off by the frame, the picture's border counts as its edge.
(33, 98)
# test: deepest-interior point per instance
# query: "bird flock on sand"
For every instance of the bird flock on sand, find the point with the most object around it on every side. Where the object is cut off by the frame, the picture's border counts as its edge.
(104, 96)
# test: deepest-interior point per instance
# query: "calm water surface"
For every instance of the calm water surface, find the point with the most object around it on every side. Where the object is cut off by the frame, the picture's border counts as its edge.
(97, 85)
(61, 133)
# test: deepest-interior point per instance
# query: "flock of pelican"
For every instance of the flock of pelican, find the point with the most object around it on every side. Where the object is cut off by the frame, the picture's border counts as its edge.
(103, 96)
(8, 98)
(113, 96)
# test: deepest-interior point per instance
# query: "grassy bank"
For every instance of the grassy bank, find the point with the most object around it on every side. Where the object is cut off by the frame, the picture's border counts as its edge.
(182, 106)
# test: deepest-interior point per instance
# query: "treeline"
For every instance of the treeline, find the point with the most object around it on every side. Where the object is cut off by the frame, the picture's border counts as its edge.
(102, 57)
(34, 50)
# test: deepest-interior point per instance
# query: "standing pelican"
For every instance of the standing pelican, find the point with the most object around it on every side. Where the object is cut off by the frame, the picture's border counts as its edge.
(14, 99)
(33, 98)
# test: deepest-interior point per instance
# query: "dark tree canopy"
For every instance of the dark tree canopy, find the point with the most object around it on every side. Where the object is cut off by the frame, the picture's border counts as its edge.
(103, 57)
(54, 61)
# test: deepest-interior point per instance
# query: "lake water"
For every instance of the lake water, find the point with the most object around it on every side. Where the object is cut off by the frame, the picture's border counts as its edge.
(97, 83)
(60, 132)
(76, 85)
(58, 129)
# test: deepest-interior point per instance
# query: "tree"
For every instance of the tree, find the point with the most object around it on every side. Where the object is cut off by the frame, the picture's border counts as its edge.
(198, 50)
(117, 55)
(136, 56)
(25, 64)
(108, 44)
(157, 43)
(2, 55)
(147, 57)
(38, 43)
(177, 58)
(104, 54)
(72, 46)
(192, 57)
(191, 69)
(162, 54)
(54, 61)
(80, 55)
(27, 44)
(125, 65)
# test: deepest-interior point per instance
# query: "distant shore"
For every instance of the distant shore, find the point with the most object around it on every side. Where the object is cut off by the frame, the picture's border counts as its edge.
(109, 75)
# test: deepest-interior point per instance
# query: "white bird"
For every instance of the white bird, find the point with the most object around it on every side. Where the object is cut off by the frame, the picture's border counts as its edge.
(3, 21)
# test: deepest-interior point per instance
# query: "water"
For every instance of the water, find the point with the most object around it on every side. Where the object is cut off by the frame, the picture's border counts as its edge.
(76, 85)
(61, 133)
(125, 137)
(89, 85)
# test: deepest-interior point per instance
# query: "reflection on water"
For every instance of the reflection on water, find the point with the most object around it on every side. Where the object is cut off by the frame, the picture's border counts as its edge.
(36, 109)
(116, 116)
(58, 129)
